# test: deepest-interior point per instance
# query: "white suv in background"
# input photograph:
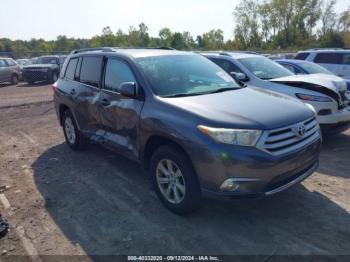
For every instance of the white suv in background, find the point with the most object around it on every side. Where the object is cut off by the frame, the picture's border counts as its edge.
(325, 94)
(335, 60)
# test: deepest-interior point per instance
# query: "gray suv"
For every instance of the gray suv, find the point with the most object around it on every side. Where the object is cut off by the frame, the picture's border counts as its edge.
(182, 117)
(10, 71)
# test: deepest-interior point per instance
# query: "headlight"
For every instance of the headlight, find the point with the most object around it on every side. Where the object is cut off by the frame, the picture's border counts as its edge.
(313, 98)
(241, 137)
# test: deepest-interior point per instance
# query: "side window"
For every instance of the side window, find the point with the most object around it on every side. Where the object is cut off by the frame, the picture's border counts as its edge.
(117, 72)
(2, 63)
(346, 59)
(226, 65)
(328, 58)
(301, 56)
(10, 62)
(70, 71)
(90, 72)
(290, 68)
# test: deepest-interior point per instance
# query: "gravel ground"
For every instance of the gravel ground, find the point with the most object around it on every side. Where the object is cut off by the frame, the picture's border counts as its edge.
(96, 202)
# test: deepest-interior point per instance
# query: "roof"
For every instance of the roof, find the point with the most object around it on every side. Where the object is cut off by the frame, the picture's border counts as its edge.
(325, 50)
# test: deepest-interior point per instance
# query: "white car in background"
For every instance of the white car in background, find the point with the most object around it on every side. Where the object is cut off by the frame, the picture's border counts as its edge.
(326, 94)
(336, 60)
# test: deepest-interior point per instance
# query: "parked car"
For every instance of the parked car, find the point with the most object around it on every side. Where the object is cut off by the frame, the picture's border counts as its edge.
(43, 68)
(327, 97)
(9, 71)
(187, 121)
(336, 60)
(301, 67)
(22, 62)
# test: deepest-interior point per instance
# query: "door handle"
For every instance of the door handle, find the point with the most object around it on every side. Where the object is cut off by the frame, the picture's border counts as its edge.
(105, 102)
(73, 92)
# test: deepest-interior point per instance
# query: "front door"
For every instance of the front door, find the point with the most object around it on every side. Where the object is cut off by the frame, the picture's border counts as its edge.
(119, 115)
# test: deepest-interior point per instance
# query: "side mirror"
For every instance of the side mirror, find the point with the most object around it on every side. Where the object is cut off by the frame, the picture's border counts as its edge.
(241, 77)
(128, 89)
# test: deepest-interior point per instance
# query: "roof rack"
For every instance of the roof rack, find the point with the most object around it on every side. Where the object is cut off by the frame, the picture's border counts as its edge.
(113, 49)
(104, 49)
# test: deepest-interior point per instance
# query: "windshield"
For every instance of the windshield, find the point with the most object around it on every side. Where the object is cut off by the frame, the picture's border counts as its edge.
(45, 60)
(264, 68)
(22, 62)
(312, 68)
(177, 75)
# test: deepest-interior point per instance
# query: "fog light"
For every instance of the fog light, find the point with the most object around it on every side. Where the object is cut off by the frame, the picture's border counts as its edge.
(229, 185)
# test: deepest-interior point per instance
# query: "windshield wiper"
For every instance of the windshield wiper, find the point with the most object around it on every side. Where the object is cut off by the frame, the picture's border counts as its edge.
(203, 93)
(224, 89)
(181, 95)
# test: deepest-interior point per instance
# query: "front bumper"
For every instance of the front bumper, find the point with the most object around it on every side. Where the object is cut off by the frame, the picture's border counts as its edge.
(257, 173)
(271, 188)
(339, 116)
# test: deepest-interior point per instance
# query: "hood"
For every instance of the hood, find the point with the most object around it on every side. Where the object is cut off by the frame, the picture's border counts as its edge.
(250, 108)
(39, 66)
(331, 82)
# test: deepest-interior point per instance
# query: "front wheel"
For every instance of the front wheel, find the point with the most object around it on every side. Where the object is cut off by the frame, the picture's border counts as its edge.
(175, 180)
(74, 138)
(14, 79)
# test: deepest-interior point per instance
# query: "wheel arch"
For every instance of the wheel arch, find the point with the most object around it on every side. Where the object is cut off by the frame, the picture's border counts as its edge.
(156, 141)
(61, 109)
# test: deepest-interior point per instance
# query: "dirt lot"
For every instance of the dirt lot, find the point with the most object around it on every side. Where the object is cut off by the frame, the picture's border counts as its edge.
(95, 202)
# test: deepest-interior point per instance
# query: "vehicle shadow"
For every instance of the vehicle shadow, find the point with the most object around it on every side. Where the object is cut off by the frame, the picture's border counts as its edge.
(335, 155)
(105, 204)
(25, 84)
(6, 84)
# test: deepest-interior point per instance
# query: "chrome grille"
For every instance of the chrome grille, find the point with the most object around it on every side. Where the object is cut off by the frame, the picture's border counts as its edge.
(283, 140)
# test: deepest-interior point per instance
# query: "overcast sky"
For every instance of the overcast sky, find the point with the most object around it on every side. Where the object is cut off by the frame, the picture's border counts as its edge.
(25, 19)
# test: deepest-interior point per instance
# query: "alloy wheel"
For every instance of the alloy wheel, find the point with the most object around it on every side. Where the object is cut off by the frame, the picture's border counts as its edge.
(170, 181)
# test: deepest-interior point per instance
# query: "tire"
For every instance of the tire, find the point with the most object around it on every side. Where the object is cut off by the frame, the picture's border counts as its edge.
(14, 79)
(54, 77)
(185, 187)
(74, 138)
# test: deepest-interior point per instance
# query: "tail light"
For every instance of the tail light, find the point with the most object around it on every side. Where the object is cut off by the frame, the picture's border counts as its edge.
(54, 87)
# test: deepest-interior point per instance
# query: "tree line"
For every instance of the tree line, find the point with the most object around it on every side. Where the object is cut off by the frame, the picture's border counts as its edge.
(259, 25)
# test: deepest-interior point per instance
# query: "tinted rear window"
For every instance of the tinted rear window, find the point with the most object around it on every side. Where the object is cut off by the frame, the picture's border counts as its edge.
(346, 59)
(328, 58)
(70, 71)
(90, 72)
(301, 56)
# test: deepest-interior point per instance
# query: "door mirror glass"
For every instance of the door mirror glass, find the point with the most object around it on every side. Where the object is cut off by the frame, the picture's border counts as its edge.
(241, 77)
(128, 89)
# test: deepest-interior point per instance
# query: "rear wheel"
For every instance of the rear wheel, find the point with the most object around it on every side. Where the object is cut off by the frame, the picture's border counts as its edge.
(175, 180)
(74, 138)
(14, 79)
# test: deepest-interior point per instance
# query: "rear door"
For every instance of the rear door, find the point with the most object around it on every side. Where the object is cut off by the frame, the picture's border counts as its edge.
(331, 61)
(119, 114)
(83, 82)
(3, 71)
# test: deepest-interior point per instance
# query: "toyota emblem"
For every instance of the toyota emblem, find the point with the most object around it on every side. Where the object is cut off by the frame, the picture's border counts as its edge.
(299, 130)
